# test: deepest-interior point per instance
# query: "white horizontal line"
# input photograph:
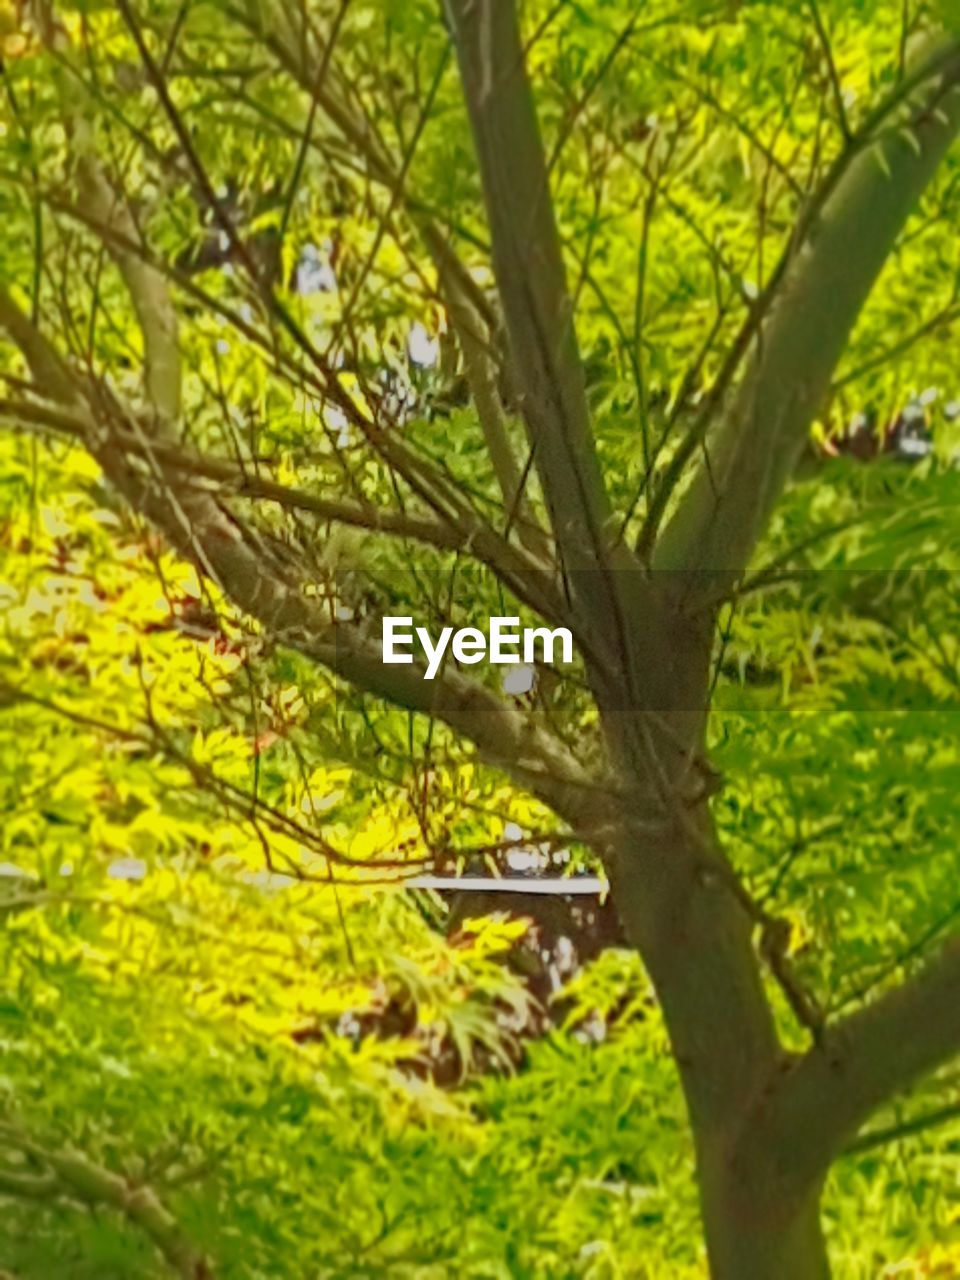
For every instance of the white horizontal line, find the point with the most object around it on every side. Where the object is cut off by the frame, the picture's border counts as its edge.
(558, 885)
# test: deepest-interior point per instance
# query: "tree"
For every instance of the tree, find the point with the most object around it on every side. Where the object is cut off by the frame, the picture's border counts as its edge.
(624, 496)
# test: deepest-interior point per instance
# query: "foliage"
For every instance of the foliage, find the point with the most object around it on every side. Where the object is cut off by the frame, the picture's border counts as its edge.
(234, 1045)
(185, 1018)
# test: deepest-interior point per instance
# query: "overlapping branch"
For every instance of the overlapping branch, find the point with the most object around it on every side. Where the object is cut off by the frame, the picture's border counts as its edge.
(531, 282)
(751, 438)
(229, 478)
(199, 527)
(149, 477)
(459, 524)
(474, 319)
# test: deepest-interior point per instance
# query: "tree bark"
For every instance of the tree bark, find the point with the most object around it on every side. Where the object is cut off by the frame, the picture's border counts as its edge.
(744, 1242)
(760, 1221)
(682, 907)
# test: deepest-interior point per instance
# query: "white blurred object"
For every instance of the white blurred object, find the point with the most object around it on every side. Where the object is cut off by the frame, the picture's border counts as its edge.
(314, 272)
(422, 349)
(554, 886)
(519, 680)
(525, 860)
(127, 869)
(336, 420)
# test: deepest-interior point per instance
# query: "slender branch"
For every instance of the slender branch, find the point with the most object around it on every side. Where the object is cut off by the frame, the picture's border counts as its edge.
(50, 371)
(198, 468)
(262, 587)
(835, 86)
(939, 323)
(482, 371)
(149, 294)
(922, 1123)
(471, 314)
(264, 20)
(419, 473)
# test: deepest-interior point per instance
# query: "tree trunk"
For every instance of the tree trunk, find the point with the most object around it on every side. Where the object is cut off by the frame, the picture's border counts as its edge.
(760, 1222)
(688, 915)
(695, 939)
(751, 1238)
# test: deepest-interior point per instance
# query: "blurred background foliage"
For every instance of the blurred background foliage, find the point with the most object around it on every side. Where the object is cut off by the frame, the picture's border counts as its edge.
(200, 996)
(212, 983)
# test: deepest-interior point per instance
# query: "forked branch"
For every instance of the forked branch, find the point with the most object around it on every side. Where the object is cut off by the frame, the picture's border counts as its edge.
(864, 1061)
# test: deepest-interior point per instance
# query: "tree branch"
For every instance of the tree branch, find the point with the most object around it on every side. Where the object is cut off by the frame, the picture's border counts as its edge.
(471, 314)
(266, 21)
(530, 277)
(50, 372)
(482, 369)
(829, 273)
(199, 527)
(522, 573)
(922, 1123)
(199, 468)
(72, 1175)
(864, 1061)
(149, 294)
